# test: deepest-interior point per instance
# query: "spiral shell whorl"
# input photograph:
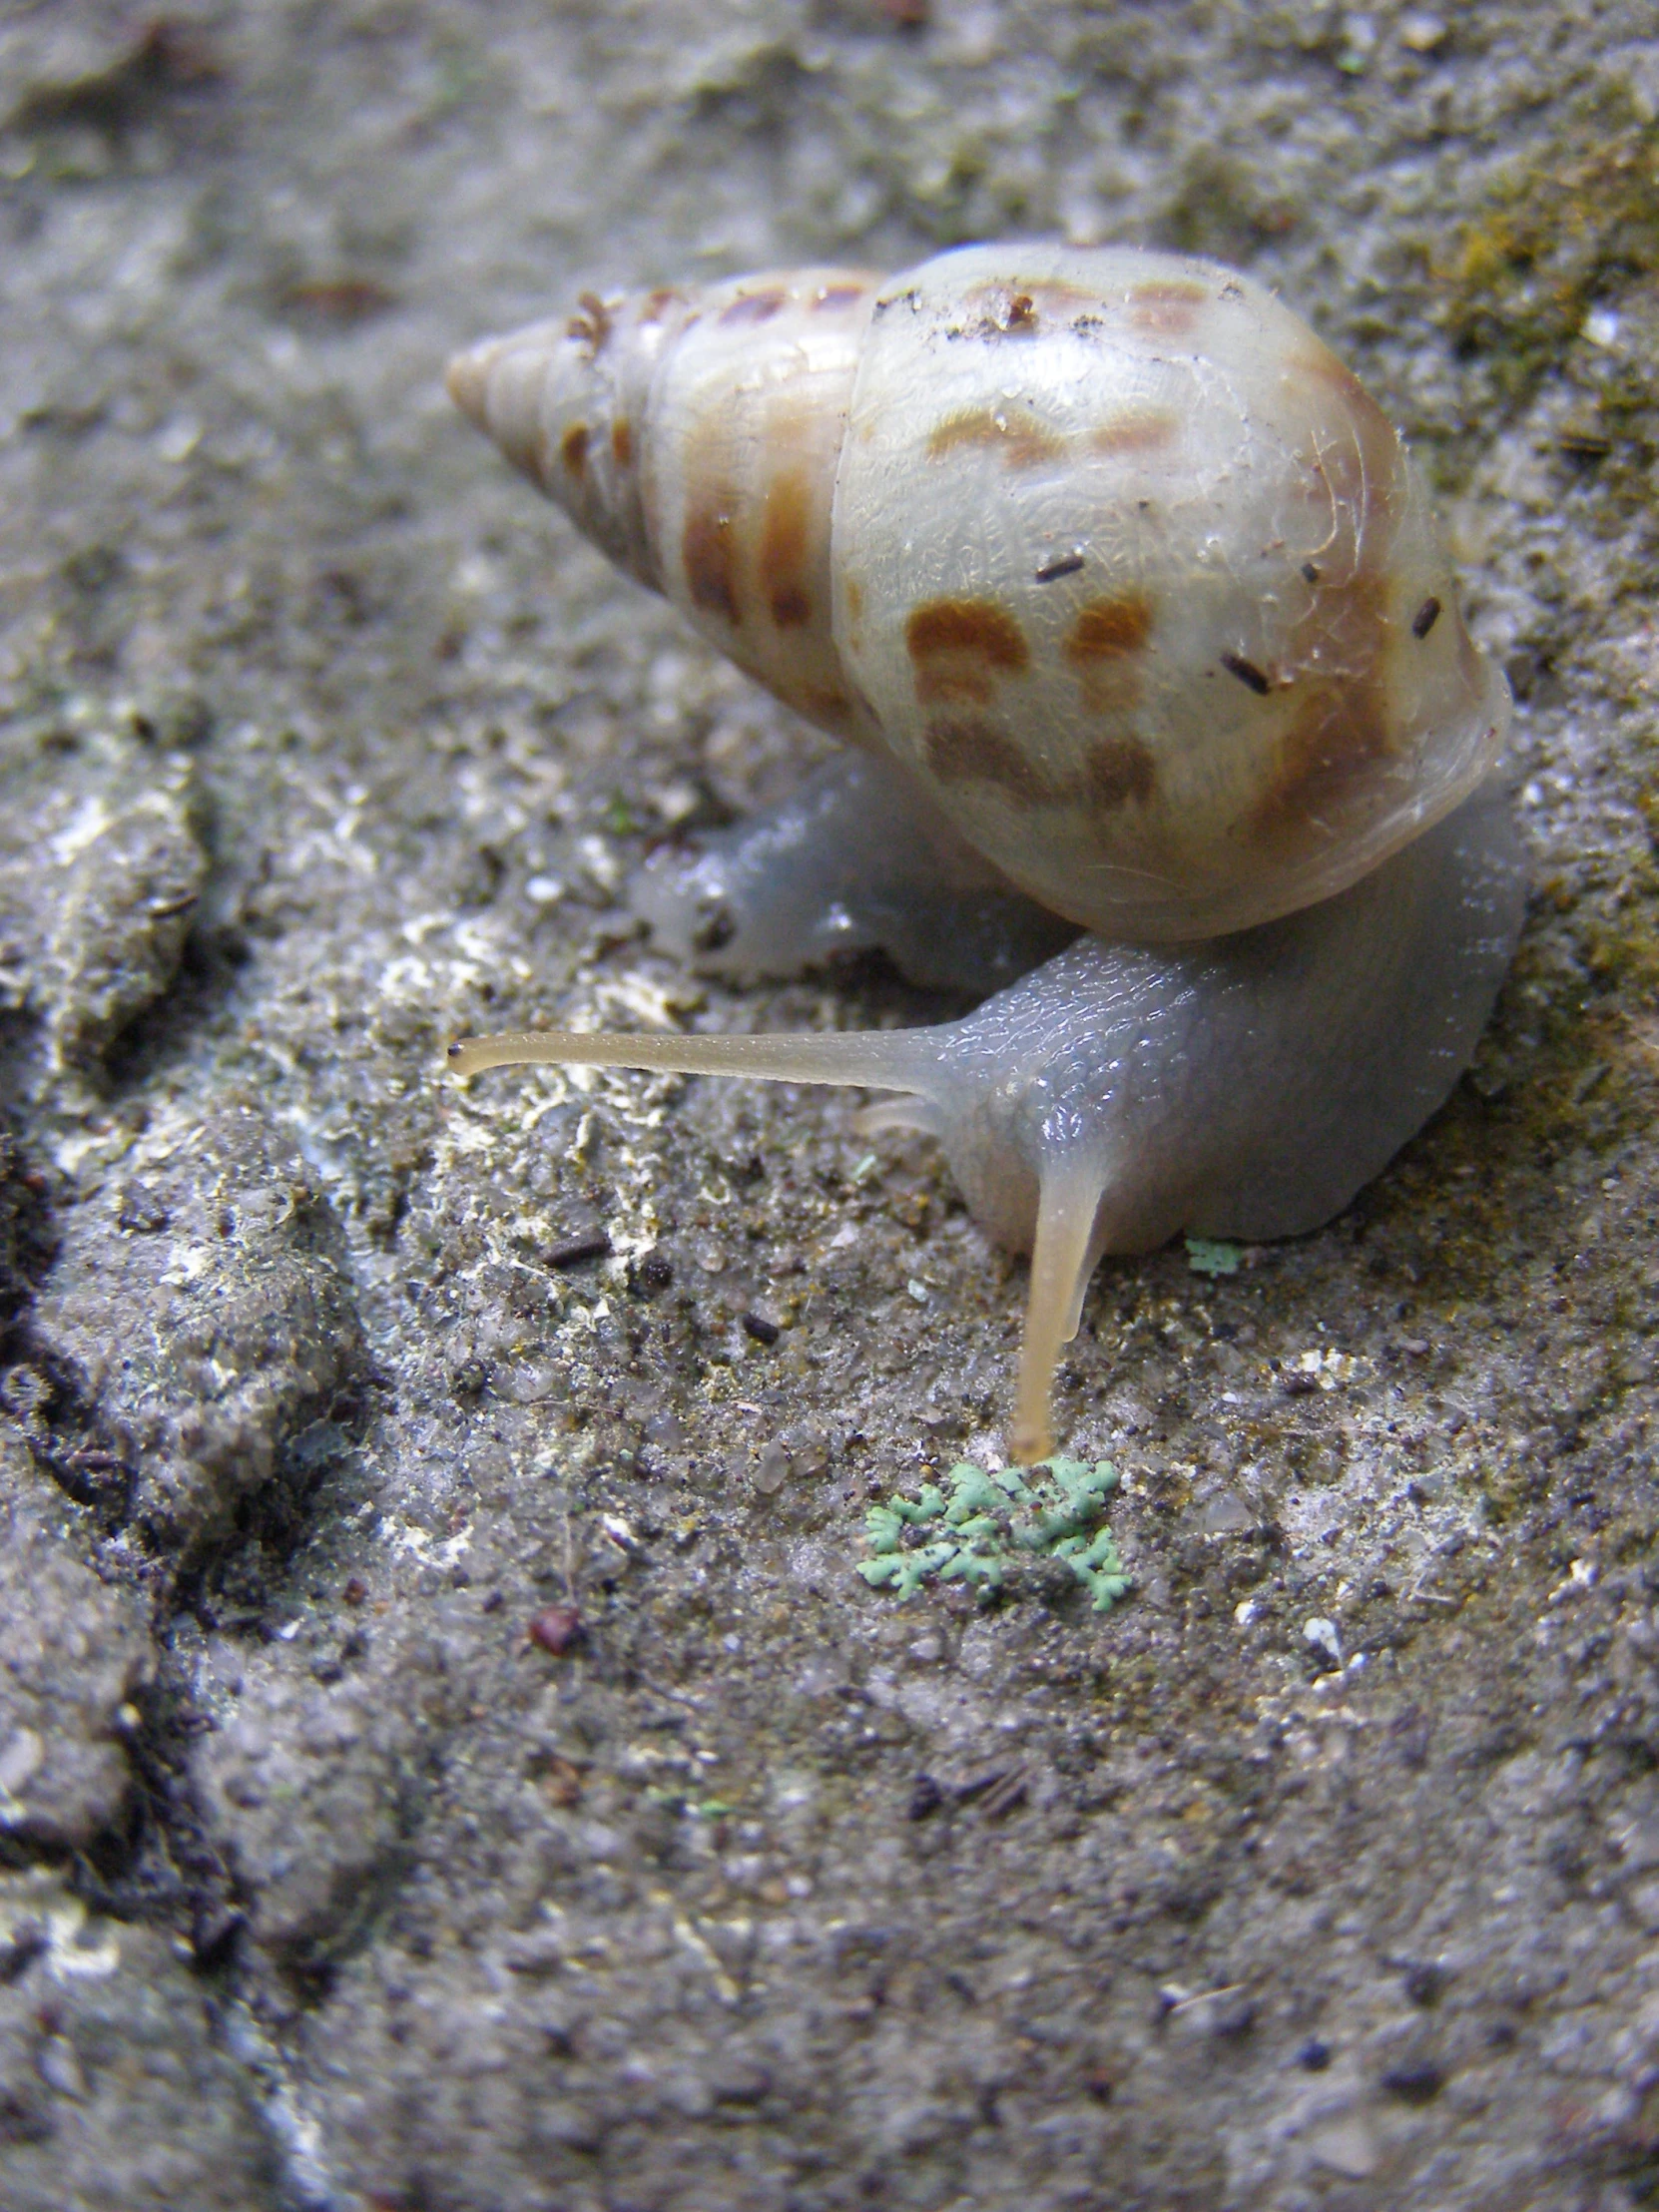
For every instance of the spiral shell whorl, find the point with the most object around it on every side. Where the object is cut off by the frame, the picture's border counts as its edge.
(695, 438)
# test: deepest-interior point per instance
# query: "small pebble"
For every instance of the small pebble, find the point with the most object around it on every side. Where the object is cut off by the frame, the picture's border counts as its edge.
(772, 1471)
(1414, 2084)
(1321, 1635)
(555, 1628)
(572, 1253)
(926, 1796)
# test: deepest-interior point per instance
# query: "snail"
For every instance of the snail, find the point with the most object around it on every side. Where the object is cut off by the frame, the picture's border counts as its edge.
(1132, 608)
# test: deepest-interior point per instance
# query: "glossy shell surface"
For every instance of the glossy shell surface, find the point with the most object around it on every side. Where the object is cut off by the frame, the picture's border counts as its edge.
(1133, 572)
(1106, 549)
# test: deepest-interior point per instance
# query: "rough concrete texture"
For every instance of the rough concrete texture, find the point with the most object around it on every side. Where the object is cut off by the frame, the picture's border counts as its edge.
(1325, 1872)
(74, 1650)
(112, 2089)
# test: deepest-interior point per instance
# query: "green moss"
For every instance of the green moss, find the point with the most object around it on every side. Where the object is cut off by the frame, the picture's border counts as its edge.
(1551, 238)
(1054, 1510)
(1209, 1256)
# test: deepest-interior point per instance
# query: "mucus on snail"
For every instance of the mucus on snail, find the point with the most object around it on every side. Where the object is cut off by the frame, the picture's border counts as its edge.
(1132, 607)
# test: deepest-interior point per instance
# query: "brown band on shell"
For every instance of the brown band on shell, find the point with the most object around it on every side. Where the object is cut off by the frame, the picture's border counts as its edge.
(709, 553)
(622, 442)
(833, 298)
(1055, 296)
(591, 324)
(755, 307)
(1167, 310)
(970, 750)
(970, 626)
(573, 449)
(1018, 436)
(973, 750)
(1331, 750)
(785, 551)
(1142, 431)
(1116, 770)
(1109, 629)
(945, 682)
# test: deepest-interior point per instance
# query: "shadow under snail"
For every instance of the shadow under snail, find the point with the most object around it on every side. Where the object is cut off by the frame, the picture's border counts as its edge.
(1135, 614)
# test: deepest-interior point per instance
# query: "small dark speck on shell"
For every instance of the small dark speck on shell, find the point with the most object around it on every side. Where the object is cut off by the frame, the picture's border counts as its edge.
(1247, 672)
(1426, 618)
(763, 1331)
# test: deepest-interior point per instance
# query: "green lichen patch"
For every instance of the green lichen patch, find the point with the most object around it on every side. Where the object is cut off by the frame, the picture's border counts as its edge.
(1212, 1256)
(990, 1521)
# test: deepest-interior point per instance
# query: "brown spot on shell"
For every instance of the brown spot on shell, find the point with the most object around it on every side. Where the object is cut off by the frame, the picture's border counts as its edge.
(709, 551)
(1337, 741)
(1146, 430)
(833, 298)
(656, 304)
(1116, 770)
(971, 751)
(790, 607)
(573, 449)
(855, 598)
(1109, 629)
(948, 683)
(622, 442)
(972, 626)
(1019, 437)
(755, 307)
(591, 324)
(1166, 310)
(1043, 295)
(786, 520)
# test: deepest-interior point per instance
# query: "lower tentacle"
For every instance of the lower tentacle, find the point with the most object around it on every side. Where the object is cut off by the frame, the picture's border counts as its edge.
(1062, 1260)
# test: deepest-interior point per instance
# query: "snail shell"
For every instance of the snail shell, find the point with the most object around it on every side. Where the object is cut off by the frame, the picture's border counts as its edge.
(1134, 604)
(1105, 548)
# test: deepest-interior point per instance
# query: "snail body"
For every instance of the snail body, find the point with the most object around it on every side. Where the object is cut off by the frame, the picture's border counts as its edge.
(1133, 607)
